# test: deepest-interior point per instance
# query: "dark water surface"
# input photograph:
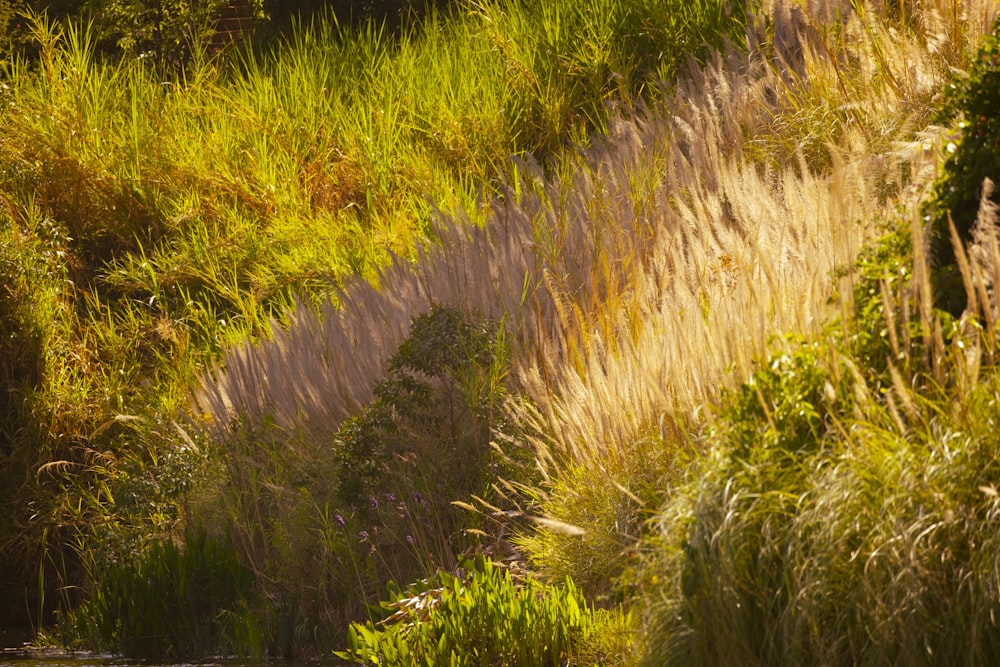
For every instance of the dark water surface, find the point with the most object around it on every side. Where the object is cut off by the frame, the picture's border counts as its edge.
(85, 660)
(14, 659)
(15, 652)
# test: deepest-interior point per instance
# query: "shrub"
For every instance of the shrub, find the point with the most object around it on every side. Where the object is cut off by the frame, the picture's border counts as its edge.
(435, 410)
(970, 157)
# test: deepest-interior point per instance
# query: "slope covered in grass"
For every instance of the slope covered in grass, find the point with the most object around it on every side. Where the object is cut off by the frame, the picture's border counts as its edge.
(641, 283)
(620, 363)
(153, 219)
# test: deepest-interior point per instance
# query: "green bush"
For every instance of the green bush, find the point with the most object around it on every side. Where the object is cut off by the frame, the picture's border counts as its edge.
(434, 410)
(971, 157)
(487, 619)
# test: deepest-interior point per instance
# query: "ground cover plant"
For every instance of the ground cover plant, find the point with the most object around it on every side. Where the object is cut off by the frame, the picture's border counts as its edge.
(486, 619)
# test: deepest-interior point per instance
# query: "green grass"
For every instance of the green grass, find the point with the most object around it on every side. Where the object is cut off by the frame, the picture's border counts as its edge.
(650, 271)
(156, 219)
(304, 234)
(844, 512)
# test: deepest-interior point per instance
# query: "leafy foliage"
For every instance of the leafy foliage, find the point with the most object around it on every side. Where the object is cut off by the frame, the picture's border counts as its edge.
(434, 410)
(971, 156)
(487, 619)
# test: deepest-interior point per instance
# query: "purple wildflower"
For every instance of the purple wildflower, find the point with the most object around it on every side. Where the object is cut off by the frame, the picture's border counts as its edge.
(339, 519)
(420, 499)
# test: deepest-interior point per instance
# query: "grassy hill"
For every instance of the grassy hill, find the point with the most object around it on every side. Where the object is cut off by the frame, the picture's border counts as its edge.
(303, 322)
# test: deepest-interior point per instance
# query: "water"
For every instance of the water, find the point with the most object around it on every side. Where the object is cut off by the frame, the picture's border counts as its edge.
(78, 660)
(14, 653)
(21, 659)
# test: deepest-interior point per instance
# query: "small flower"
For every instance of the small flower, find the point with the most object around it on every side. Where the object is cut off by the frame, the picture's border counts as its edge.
(390, 498)
(409, 539)
(339, 519)
(363, 535)
(374, 501)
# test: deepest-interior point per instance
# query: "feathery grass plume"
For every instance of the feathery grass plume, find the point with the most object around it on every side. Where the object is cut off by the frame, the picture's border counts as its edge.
(743, 252)
(861, 529)
(644, 267)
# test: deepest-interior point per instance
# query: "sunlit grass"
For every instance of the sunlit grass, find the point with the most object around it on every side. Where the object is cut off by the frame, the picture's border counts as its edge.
(855, 523)
(647, 273)
(184, 212)
(276, 212)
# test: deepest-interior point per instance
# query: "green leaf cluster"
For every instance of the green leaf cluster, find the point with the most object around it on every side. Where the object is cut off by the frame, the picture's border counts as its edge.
(435, 410)
(972, 155)
(486, 619)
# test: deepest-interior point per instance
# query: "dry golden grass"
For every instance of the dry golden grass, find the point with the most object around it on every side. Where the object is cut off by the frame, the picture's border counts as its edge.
(746, 226)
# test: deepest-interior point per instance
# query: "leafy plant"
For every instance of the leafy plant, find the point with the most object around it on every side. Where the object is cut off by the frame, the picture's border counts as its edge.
(972, 155)
(167, 32)
(435, 409)
(485, 618)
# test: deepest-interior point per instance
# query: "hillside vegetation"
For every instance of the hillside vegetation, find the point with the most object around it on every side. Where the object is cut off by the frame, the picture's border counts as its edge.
(661, 331)
(154, 218)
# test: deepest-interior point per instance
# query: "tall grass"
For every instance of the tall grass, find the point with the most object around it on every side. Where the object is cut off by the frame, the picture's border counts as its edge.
(844, 512)
(636, 276)
(644, 274)
(174, 216)
(854, 524)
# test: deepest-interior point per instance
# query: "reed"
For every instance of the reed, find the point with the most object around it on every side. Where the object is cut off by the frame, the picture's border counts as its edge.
(159, 218)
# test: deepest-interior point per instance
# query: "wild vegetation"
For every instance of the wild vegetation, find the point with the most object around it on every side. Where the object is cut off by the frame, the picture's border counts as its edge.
(155, 217)
(684, 379)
